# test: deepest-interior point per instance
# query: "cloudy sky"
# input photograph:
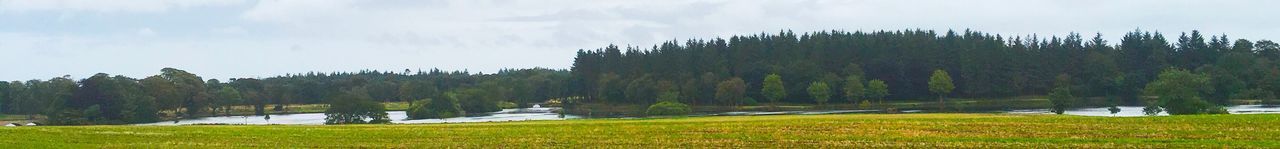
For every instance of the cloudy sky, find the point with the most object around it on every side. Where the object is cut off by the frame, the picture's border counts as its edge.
(262, 38)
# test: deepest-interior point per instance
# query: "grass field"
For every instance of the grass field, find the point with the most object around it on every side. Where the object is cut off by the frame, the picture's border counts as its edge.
(789, 131)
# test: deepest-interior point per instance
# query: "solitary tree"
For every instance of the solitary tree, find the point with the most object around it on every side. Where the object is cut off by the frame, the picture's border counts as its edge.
(773, 89)
(877, 89)
(820, 92)
(940, 83)
(731, 91)
(1061, 97)
(1180, 92)
(853, 89)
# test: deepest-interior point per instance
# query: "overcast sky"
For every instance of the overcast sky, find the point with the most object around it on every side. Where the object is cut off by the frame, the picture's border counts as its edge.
(262, 38)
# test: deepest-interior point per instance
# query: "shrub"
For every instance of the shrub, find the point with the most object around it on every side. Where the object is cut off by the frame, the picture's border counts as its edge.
(668, 108)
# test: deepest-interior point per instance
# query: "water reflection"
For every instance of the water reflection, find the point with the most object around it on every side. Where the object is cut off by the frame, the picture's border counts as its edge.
(396, 117)
(539, 113)
(1129, 111)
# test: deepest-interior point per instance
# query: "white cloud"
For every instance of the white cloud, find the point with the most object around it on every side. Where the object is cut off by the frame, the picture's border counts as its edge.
(108, 6)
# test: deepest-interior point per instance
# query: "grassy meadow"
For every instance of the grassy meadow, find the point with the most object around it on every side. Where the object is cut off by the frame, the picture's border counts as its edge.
(781, 131)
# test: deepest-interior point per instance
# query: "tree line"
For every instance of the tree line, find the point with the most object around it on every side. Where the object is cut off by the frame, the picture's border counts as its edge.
(176, 94)
(817, 67)
(980, 65)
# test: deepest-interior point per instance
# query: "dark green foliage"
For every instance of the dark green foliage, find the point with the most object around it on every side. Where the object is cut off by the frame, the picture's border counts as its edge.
(1113, 109)
(1181, 92)
(102, 99)
(355, 106)
(225, 97)
(1061, 99)
(750, 101)
(189, 90)
(669, 97)
(668, 108)
(122, 100)
(446, 106)
(980, 65)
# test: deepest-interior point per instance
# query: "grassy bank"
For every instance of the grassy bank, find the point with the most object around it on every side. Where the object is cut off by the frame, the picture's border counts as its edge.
(305, 108)
(789, 131)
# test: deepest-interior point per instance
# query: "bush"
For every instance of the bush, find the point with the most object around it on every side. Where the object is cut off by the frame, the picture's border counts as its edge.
(668, 108)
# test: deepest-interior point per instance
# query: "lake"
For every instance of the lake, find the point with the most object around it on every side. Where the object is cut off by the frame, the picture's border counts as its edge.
(1127, 111)
(526, 114)
(398, 117)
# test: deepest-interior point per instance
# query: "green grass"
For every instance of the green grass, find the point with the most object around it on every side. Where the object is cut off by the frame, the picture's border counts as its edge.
(790, 131)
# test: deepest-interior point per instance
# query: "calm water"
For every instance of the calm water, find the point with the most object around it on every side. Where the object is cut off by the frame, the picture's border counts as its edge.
(546, 114)
(1126, 111)
(396, 117)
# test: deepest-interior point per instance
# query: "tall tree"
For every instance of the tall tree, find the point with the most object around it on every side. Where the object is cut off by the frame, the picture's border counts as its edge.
(227, 97)
(854, 90)
(731, 92)
(773, 89)
(820, 92)
(940, 84)
(1061, 97)
(877, 89)
(189, 89)
(1180, 92)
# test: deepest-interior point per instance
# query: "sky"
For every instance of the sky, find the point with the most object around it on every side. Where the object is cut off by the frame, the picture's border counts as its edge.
(41, 39)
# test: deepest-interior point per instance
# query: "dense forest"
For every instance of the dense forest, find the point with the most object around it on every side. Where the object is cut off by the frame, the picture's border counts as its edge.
(981, 65)
(106, 99)
(817, 67)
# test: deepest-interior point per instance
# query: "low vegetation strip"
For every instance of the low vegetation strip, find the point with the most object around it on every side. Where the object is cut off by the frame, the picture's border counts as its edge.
(783, 131)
